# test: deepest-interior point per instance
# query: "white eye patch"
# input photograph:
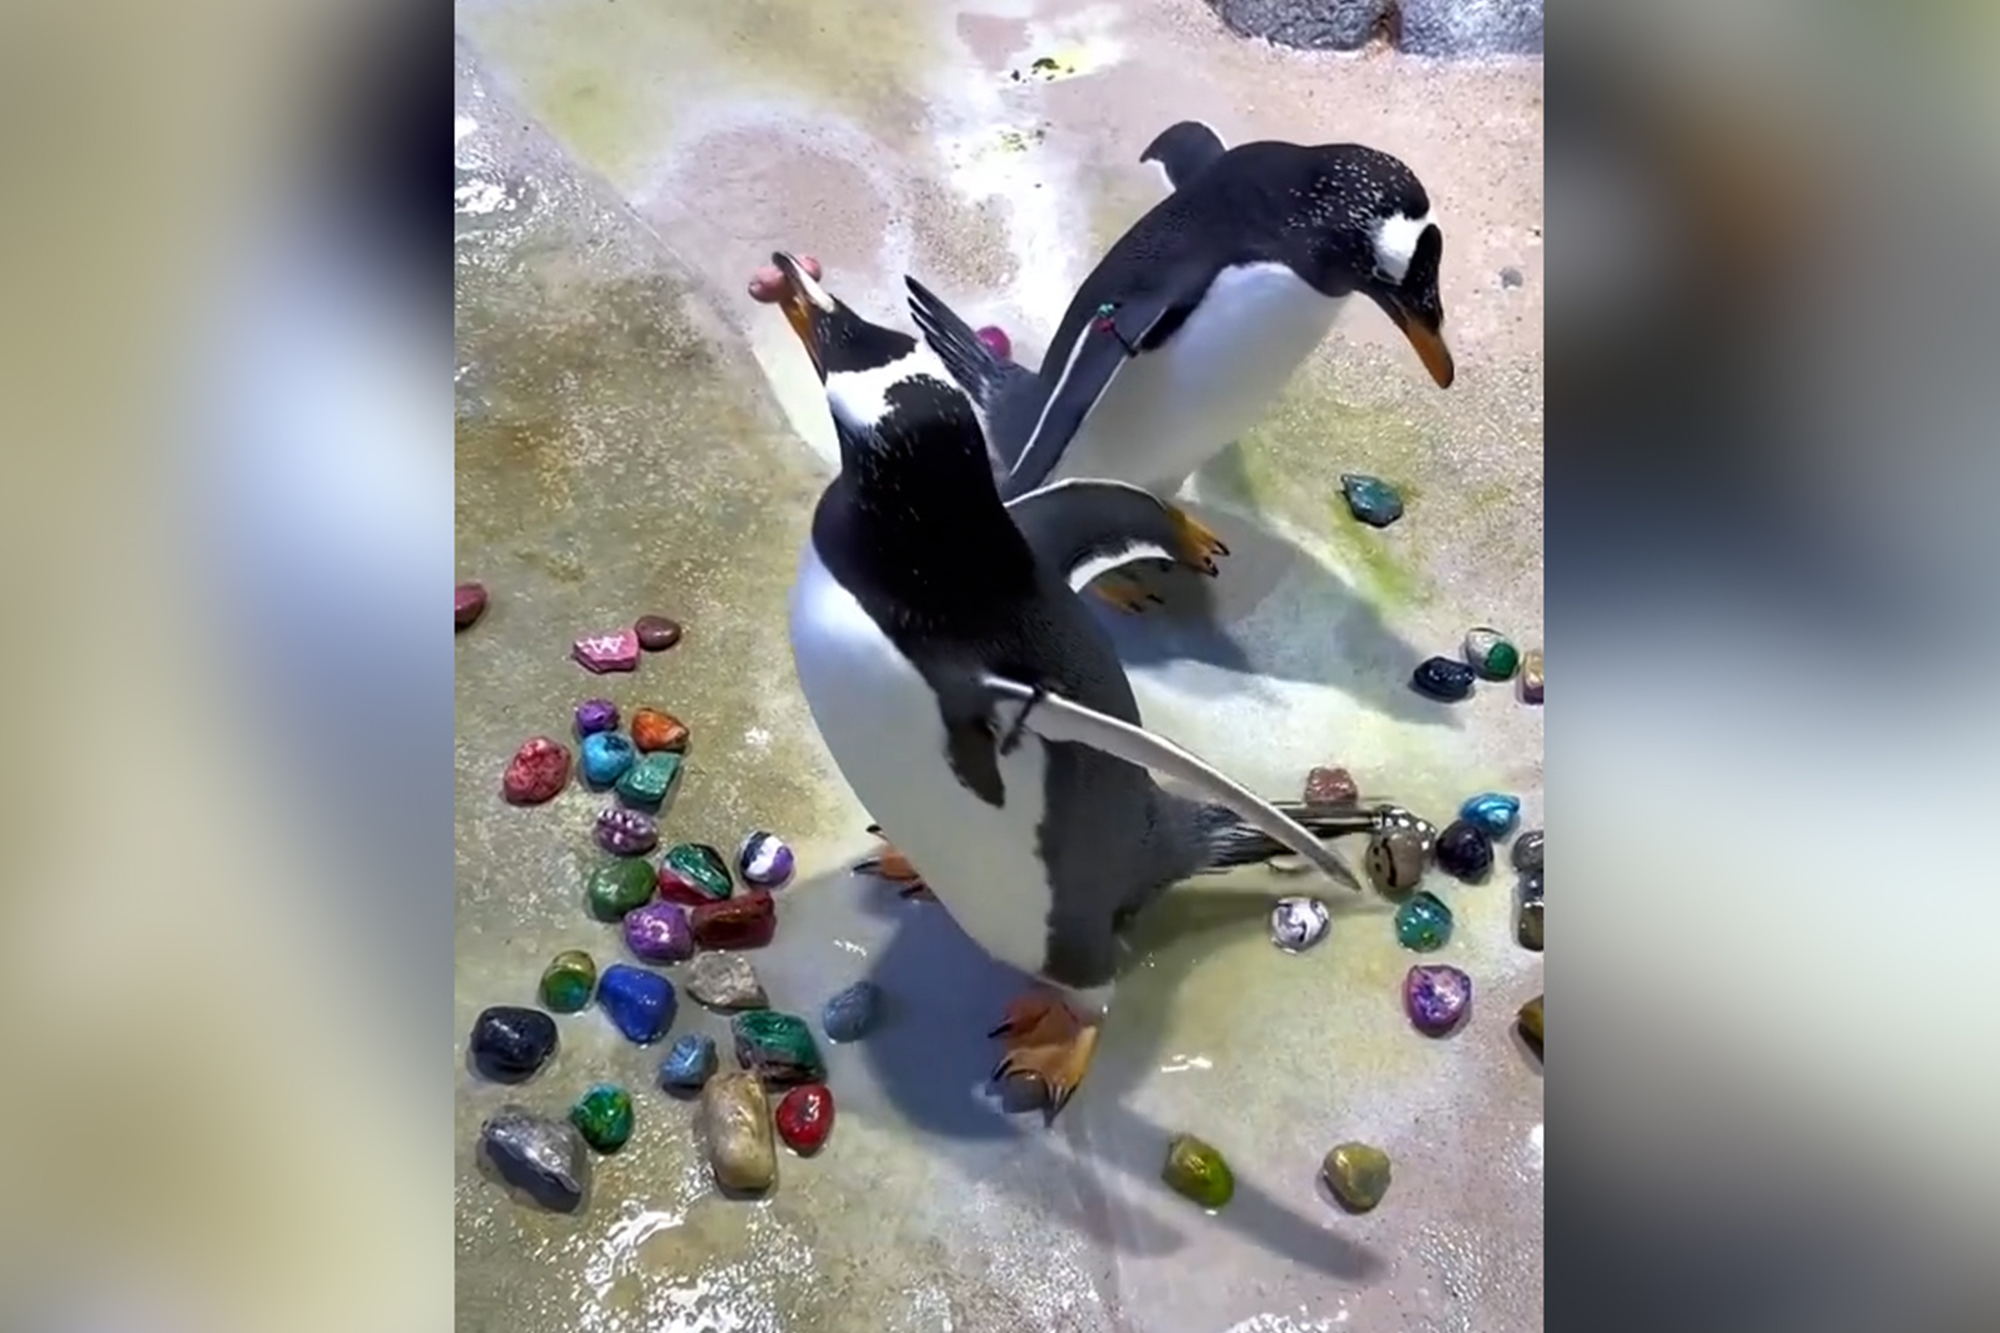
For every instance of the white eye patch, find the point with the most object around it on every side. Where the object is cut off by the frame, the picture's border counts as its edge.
(1396, 240)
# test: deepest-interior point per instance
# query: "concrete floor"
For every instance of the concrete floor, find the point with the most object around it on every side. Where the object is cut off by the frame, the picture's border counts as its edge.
(634, 435)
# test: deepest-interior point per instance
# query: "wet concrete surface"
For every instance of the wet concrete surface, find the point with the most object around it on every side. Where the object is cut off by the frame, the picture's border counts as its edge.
(635, 436)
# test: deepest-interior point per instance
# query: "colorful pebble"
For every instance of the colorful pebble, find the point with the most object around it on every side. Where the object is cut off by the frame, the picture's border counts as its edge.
(603, 653)
(805, 1118)
(1527, 853)
(747, 921)
(1443, 679)
(735, 1127)
(1371, 499)
(851, 1014)
(568, 980)
(777, 1046)
(1528, 911)
(595, 715)
(1436, 998)
(650, 780)
(656, 634)
(996, 341)
(1488, 652)
(1299, 923)
(542, 1158)
(625, 832)
(1396, 817)
(468, 604)
(653, 730)
(1531, 677)
(1331, 786)
(1495, 812)
(694, 874)
(538, 770)
(690, 1064)
(1464, 851)
(640, 1004)
(658, 932)
(603, 1116)
(510, 1043)
(1423, 923)
(1196, 1171)
(1394, 860)
(618, 887)
(605, 757)
(725, 981)
(1358, 1174)
(1529, 1020)
(765, 861)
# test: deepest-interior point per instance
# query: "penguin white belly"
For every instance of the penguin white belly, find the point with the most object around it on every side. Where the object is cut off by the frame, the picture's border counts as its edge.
(880, 721)
(1169, 411)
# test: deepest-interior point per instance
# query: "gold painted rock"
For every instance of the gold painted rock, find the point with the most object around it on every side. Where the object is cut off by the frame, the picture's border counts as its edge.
(1530, 1019)
(1358, 1175)
(736, 1132)
(1196, 1170)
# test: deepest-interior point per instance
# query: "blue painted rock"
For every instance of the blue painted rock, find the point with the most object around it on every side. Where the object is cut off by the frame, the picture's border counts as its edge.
(606, 756)
(1423, 923)
(849, 1015)
(1464, 851)
(640, 1004)
(1371, 500)
(544, 1159)
(625, 832)
(659, 933)
(511, 1043)
(764, 861)
(690, 1064)
(1494, 812)
(595, 715)
(1443, 679)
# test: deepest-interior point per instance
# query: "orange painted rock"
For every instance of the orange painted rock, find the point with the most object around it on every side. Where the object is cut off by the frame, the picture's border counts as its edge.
(747, 921)
(805, 1118)
(654, 730)
(538, 770)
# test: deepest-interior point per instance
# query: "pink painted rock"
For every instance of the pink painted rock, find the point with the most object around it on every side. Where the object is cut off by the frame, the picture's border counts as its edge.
(602, 653)
(538, 770)
(469, 604)
(997, 341)
(1331, 786)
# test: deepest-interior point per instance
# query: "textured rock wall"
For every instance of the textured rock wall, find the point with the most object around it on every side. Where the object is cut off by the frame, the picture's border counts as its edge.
(1450, 28)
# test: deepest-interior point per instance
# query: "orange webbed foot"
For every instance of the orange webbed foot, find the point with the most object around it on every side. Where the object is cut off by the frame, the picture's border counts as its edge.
(892, 865)
(1048, 1043)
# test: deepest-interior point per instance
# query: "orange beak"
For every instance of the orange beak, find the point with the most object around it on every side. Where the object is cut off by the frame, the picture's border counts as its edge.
(799, 310)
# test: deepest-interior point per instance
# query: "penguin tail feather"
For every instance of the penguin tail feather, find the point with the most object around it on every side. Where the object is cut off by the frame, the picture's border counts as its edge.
(970, 362)
(1233, 843)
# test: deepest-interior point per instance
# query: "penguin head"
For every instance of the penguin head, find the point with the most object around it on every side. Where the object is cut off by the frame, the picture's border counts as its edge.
(839, 341)
(1377, 233)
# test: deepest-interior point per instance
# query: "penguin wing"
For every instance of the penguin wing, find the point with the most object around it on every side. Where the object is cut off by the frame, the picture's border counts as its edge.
(1182, 150)
(1113, 337)
(1055, 718)
(1085, 528)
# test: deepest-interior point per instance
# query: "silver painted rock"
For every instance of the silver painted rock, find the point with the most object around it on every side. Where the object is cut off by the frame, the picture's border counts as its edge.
(725, 981)
(544, 1160)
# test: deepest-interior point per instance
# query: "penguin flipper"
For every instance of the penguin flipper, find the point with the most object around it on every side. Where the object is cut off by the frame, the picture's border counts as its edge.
(1055, 718)
(1086, 528)
(1182, 150)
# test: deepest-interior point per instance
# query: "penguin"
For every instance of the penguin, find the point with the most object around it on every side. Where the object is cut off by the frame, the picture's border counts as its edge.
(1198, 315)
(977, 708)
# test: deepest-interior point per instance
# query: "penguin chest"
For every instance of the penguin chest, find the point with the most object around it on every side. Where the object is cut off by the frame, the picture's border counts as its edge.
(880, 722)
(1170, 410)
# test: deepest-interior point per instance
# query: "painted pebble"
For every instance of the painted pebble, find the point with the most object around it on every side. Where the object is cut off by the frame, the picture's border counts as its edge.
(764, 861)
(510, 1043)
(1488, 652)
(595, 715)
(805, 1118)
(777, 1046)
(996, 341)
(603, 1116)
(736, 1133)
(544, 1159)
(1531, 677)
(1358, 1174)
(1396, 817)
(747, 921)
(1196, 1171)
(1299, 923)
(650, 780)
(568, 980)
(1529, 1020)
(605, 757)
(1528, 912)
(625, 832)
(725, 981)
(1394, 860)
(653, 730)
(1495, 812)
(618, 887)
(693, 874)
(1423, 923)
(1464, 851)
(1443, 679)
(1436, 998)
(656, 634)
(658, 932)
(538, 770)
(1331, 786)
(640, 1004)
(1371, 499)
(690, 1064)
(1527, 853)
(603, 653)
(851, 1013)
(468, 604)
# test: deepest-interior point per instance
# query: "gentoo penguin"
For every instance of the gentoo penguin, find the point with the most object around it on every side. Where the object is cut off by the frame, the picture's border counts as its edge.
(979, 711)
(1196, 318)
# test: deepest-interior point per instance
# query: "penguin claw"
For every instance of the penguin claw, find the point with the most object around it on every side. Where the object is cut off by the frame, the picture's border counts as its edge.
(893, 866)
(1048, 1044)
(1200, 547)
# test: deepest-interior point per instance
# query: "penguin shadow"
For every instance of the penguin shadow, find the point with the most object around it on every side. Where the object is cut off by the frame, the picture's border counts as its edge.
(1274, 611)
(934, 1065)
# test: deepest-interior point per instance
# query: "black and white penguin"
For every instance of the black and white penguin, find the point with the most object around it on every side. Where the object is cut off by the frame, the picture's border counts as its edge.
(1197, 317)
(975, 706)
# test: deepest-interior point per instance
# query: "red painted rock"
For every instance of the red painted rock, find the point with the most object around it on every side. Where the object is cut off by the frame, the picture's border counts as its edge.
(997, 341)
(747, 921)
(654, 730)
(538, 770)
(470, 603)
(1331, 786)
(607, 652)
(805, 1118)
(656, 633)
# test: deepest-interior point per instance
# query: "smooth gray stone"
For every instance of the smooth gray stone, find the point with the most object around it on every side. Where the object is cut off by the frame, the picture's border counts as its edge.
(544, 1159)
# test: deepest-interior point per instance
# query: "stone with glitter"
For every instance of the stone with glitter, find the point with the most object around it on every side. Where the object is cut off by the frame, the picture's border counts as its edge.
(777, 1046)
(736, 1132)
(650, 780)
(852, 1012)
(1331, 786)
(747, 921)
(654, 730)
(618, 887)
(694, 874)
(640, 1004)
(1495, 812)
(468, 604)
(1443, 679)
(603, 1116)
(658, 932)
(545, 1160)
(764, 861)
(804, 1118)
(605, 653)
(568, 980)
(1299, 923)
(1464, 852)
(538, 770)
(690, 1064)
(725, 981)
(1489, 652)
(1436, 997)
(510, 1043)
(595, 715)
(1371, 500)
(605, 755)
(1531, 677)
(1423, 923)
(625, 832)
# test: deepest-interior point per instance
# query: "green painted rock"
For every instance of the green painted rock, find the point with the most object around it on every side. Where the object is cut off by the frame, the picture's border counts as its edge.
(651, 778)
(604, 1117)
(776, 1046)
(1197, 1171)
(1489, 653)
(694, 874)
(568, 981)
(617, 887)
(1358, 1175)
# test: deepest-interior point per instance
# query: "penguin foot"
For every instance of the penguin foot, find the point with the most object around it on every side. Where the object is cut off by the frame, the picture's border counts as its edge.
(1199, 546)
(1048, 1043)
(1126, 593)
(893, 866)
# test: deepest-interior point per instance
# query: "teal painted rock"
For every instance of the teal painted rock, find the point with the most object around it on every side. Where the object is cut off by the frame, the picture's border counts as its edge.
(1494, 813)
(1489, 652)
(778, 1047)
(650, 779)
(606, 756)
(604, 1117)
(694, 874)
(1423, 923)
(1371, 499)
(567, 982)
(618, 887)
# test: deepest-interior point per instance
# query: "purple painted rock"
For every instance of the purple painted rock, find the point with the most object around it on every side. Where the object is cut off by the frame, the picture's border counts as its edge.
(595, 715)
(625, 832)
(603, 653)
(764, 861)
(659, 933)
(656, 633)
(997, 341)
(469, 604)
(1436, 997)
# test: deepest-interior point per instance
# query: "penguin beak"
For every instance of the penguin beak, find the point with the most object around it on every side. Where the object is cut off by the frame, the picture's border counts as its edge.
(1426, 334)
(805, 304)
